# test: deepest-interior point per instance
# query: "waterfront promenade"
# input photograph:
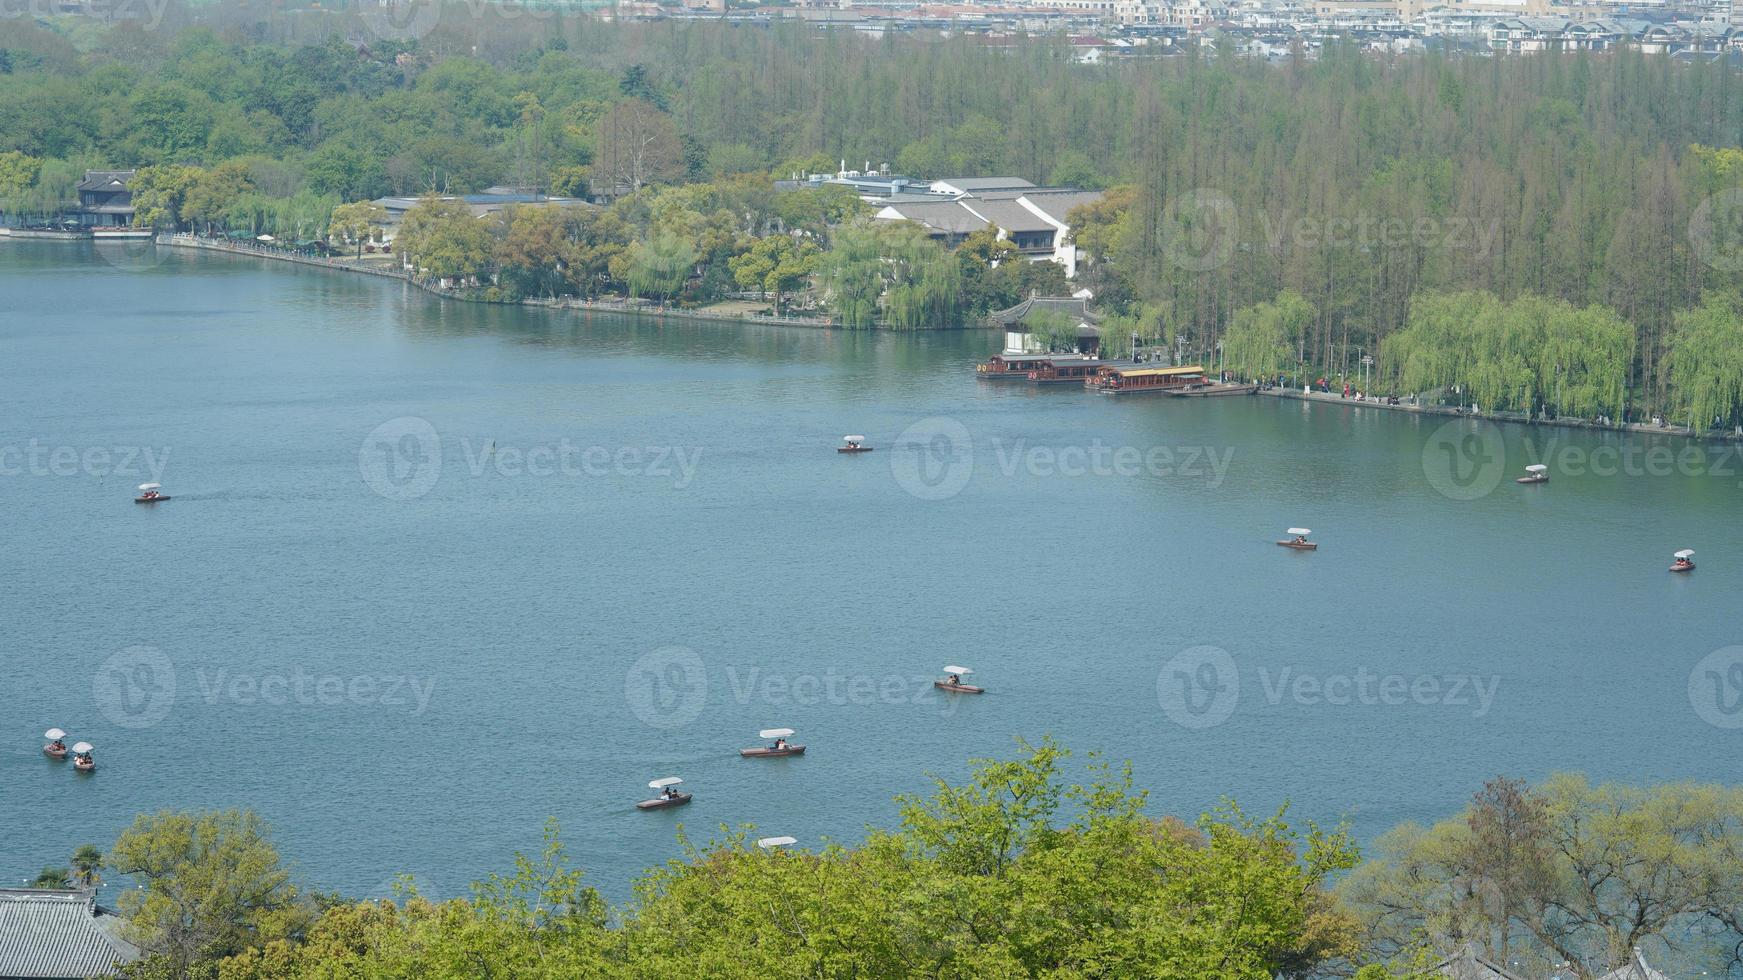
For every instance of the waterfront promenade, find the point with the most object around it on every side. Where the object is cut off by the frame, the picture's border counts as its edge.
(1519, 417)
(628, 307)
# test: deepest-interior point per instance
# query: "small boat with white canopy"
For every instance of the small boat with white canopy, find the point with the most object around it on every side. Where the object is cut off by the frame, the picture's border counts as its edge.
(770, 843)
(669, 794)
(150, 493)
(953, 681)
(1685, 561)
(57, 745)
(780, 747)
(1535, 473)
(1299, 540)
(82, 759)
(854, 444)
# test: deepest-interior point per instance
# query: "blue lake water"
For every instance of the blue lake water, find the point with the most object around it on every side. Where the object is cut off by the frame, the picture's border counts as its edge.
(433, 572)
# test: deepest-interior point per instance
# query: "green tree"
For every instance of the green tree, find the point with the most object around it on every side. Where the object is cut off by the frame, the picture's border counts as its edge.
(87, 865)
(441, 238)
(18, 171)
(211, 887)
(52, 878)
(660, 266)
(1706, 361)
(213, 193)
(356, 222)
(1263, 340)
(1567, 872)
(160, 193)
(775, 264)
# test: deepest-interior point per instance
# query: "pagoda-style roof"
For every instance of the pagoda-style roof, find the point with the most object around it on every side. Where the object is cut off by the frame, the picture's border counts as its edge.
(1071, 306)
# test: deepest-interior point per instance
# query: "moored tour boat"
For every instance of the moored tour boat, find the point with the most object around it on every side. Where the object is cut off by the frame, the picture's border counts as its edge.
(1299, 542)
(1124, 379)
(953, 682)
(1011, 366)
(854, 445)
(780, 748)
(1075, 369)
(1535, 473)
(57, 746)
(669, 794)
(1685, 561)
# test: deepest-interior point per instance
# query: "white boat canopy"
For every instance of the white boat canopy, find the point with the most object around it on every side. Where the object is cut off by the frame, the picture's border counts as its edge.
(1299, 530)
(82, 748)
(1685, 553)
(663, 783)
(775, 732)
(150, 486)
(1537, 468)
(957, 670)
(54, 733)
(770, 843)
(853, 438)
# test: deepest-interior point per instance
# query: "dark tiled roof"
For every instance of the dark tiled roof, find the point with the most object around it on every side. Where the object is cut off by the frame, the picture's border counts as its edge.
(1068, 305)
(55, 933)
(106, 180)
(1009, 215)
(950, 217)
(1057, 204)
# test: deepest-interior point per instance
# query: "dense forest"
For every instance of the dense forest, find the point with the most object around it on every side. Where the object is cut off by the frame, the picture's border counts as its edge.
(1019, 871)
(1304, 214)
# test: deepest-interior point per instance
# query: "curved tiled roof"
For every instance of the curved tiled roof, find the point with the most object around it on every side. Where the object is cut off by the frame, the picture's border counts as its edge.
(57, 933)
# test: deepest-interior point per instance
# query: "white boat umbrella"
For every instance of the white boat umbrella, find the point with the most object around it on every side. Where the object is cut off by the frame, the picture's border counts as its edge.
(853, 438)
(54, 734)
(957, 670)
(1300, 530)
(150, 486)
(1685, 553)
(82, 748)
(663, 783)
(775, 732)
(1537, 468)
(770, 843)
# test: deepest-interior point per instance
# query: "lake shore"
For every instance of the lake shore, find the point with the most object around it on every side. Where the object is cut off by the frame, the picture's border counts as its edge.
(1518, 418)
(636, 308)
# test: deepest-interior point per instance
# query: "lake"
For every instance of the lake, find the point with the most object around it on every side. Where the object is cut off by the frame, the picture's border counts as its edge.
(434, 572)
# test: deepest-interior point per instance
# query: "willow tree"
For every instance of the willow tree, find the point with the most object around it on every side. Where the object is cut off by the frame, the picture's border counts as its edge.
(851, 275)
(1436, 347)
(1521, 355)
(1706, 361)
(1583, 364)
(1261, 340)
(660, 266)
